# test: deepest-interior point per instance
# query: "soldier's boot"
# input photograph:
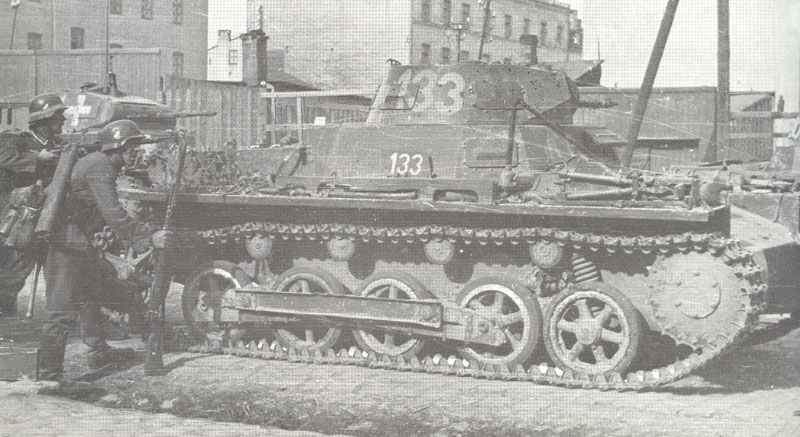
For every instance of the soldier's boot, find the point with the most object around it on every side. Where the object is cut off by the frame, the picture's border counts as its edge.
(52, 346)
(104, 355)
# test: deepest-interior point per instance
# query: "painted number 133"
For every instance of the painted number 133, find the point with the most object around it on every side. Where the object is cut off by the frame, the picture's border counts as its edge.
(404, 164)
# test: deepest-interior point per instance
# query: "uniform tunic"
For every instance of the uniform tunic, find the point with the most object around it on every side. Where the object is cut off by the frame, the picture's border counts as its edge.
(17, 168)
(79, 280)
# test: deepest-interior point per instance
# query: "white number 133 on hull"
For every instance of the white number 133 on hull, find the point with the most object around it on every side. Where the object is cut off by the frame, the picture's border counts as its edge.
(404, 164)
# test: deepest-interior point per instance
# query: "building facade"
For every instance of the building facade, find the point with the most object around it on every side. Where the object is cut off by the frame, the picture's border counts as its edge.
(225, 58)
(178, 27)
(346, 43)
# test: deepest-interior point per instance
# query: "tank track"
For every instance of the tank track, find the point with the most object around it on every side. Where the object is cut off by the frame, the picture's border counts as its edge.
(718, 246)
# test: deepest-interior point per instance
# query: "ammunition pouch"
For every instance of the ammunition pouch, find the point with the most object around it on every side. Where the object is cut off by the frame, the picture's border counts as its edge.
(18, 219)
(17, 226)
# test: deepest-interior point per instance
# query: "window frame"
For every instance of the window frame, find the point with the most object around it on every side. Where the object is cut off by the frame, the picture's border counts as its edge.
(447, 12)
(77, 37)
(147, 12)
(445, 56)
(177, 12)
(116, 7)
(178, 59)
(426, 10)
(38, 37)
(425, 54)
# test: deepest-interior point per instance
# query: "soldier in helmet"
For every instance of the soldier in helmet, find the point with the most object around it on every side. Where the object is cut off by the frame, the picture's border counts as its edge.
(79, 280)
(24, 157)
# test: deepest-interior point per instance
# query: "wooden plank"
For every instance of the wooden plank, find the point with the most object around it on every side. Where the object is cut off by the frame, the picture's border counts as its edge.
(750, 136)
(739, 115)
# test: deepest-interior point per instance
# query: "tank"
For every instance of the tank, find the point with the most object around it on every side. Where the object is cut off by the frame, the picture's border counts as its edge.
(470, 228)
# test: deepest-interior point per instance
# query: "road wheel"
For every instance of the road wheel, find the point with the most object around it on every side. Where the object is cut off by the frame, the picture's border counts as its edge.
(592, 328)
(302, 336)
(391, 285)
(510, 306)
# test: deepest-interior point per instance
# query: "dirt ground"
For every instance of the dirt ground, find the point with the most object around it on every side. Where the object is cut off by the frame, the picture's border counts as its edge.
(753, 391)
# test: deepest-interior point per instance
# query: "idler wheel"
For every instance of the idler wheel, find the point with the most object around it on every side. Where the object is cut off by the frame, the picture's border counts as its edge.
(392, 285)
(511, 307)
(201, 300)
(592, 328)
(308, 280)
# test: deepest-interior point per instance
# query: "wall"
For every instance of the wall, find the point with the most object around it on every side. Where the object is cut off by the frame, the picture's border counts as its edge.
(54, 18)
(683, 115)
(336, 44)
(435, 33)
(25, 73)
(673, 113)
(242, 116)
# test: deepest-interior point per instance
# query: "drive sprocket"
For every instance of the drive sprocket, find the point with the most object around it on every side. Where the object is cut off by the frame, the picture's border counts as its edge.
(702, 299)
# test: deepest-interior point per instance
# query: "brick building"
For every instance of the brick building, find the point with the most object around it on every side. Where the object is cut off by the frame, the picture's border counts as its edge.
(346, 43)
(178, 27)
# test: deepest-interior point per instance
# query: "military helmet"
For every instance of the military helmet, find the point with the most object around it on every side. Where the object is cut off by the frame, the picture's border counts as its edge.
(45, 106)
(120, 134)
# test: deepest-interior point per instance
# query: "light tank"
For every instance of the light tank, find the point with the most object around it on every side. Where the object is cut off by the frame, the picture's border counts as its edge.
(468, 227)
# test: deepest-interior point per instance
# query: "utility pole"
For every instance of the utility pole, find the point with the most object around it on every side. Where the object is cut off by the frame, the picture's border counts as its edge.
(487, 15)
(107, 62)
(15, 6)
(460, 28)
(720, 149)
(649, 79)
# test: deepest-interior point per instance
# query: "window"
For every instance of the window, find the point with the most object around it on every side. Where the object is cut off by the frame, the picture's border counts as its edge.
(116, 7)
(508, 27)
(34, 41)
(177, 63)
(177, 11)
(559, 35)
(465, 13)
(526, 26)
(425, 54)
(76, 38)
(425, 13)
(233, 57)
(447, 11)
(543, 34)
(114, 45)
(445, 55)
(147, 9)
(463, 55)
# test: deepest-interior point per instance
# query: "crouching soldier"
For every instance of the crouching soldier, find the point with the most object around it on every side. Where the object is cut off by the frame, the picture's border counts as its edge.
(79, 280)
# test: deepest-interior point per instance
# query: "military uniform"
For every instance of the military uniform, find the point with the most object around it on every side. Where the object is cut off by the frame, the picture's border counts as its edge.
(18, 168)
(79, 280)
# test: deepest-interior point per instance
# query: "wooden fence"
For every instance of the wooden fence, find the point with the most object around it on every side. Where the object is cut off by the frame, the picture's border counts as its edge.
(244, 114)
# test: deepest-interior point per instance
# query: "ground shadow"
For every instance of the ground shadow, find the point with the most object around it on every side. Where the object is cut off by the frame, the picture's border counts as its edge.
(768, 360)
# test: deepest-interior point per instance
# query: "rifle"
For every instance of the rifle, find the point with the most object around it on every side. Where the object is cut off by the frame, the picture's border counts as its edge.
(154, 363)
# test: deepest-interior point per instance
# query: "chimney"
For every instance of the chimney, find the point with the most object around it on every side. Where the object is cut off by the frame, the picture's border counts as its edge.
(254, 58)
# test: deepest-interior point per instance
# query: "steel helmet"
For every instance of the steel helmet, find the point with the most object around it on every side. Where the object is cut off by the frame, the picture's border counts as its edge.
(119, 134)
(45, 106)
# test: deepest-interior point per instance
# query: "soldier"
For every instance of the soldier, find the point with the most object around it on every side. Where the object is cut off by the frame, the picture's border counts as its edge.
(23, 156)
(79, 280)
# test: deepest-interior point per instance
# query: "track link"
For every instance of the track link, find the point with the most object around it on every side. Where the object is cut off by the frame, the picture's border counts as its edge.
(719, 247)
